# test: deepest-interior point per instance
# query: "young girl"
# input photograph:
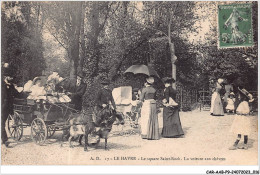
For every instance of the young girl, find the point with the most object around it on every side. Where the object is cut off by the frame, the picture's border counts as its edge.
(241, 123)
(231, 103)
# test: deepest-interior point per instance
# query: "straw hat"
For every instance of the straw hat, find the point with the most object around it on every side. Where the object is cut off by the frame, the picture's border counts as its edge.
(168, 80)
(220, 80)
(232, 94)
(35, 79)
(245, 93)
(150, 80)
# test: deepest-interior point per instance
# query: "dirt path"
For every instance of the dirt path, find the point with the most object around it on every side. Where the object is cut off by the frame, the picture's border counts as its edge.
(206, 142)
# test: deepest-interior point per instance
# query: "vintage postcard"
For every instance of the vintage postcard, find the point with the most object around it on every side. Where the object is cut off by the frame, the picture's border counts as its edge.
(129, 83)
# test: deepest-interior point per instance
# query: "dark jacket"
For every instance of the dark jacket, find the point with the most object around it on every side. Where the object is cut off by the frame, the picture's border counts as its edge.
(170, 92)
(8, 93)
(77, 93)
(104, 96)
(148, 93)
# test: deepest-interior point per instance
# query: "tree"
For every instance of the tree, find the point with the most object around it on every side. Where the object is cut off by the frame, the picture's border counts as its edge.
(22, 40)
(170, 19)
(63, 21)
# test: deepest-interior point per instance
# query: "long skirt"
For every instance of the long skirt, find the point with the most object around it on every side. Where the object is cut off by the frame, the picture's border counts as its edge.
(216, 105)
(171, 123)
(149, 120)
(242, 122)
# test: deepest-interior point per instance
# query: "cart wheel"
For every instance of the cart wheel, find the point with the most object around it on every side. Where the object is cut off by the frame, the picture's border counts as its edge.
(51, 131)
(15, 126)
(38, 131)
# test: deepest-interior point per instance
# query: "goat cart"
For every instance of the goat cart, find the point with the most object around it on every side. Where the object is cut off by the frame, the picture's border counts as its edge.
(44, 118)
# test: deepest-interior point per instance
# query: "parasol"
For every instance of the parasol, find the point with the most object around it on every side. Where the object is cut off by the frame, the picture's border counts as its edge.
(142, 69)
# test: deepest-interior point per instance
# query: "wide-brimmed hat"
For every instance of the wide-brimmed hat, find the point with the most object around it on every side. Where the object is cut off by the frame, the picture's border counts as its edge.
(245, 93)
(221, 81)
(35, 79)
(105, 82)
(168, 80)
(232, 94)
(150, 80)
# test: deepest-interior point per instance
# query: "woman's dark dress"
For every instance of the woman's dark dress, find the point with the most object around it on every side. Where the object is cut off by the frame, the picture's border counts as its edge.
(171, 119)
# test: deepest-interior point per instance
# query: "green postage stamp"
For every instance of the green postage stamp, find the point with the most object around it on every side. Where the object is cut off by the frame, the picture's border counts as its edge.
(235, 25)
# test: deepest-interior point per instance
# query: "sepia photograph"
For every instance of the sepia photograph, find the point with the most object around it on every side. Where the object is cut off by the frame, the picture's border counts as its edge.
(129, 83)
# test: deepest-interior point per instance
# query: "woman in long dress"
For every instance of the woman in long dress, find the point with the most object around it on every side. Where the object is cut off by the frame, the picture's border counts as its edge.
(171, 119)
(149, 120)
(241, 124)
(216, 103)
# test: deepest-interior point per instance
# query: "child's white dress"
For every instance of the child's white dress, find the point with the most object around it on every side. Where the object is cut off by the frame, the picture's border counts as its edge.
(241, 123)
(230, 104)
(37, 93)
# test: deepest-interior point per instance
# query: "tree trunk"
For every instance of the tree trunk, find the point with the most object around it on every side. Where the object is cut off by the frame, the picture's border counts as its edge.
(173, 60)
(82, 38)
(172, 52)
(90, 62)
(121, 42)
(74, 34)
(72, 69)
(91, 57)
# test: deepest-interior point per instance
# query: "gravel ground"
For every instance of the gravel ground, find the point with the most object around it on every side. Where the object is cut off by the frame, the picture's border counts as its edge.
(206, 142)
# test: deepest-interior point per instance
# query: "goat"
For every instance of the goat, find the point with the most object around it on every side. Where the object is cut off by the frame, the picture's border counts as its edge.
(84, 124)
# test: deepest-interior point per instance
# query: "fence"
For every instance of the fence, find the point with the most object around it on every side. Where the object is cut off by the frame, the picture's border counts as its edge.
(186, 98)
(189, 99)
(204, 100)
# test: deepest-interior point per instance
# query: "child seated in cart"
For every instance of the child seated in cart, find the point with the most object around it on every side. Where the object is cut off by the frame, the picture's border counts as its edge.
(48, 92)
(37, 90)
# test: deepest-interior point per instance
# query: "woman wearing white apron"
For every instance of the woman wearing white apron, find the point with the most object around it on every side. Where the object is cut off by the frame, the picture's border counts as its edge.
(149, 120)
(216, 103)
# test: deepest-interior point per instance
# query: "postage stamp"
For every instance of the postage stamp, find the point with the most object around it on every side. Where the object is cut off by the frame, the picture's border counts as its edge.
(235, 25)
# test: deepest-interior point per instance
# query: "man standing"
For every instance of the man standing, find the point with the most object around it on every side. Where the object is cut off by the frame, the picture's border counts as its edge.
(104, 96)
(76, 89)
(8, 94)
(103, 99)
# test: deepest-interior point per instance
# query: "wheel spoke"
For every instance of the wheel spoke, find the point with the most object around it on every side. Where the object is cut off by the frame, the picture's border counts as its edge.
(20, 122)
(36, 137)
(20, 128)
(11, 117)
(40, 138)
(12, 132)
(33, 129)
(18, 133)
(15, 132)
(33, 123)
(42, 134)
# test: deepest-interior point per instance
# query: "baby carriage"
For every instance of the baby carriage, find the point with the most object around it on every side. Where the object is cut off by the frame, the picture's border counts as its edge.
(126, 106)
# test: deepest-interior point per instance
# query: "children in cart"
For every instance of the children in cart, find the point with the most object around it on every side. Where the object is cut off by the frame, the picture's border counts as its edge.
(40, 89)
